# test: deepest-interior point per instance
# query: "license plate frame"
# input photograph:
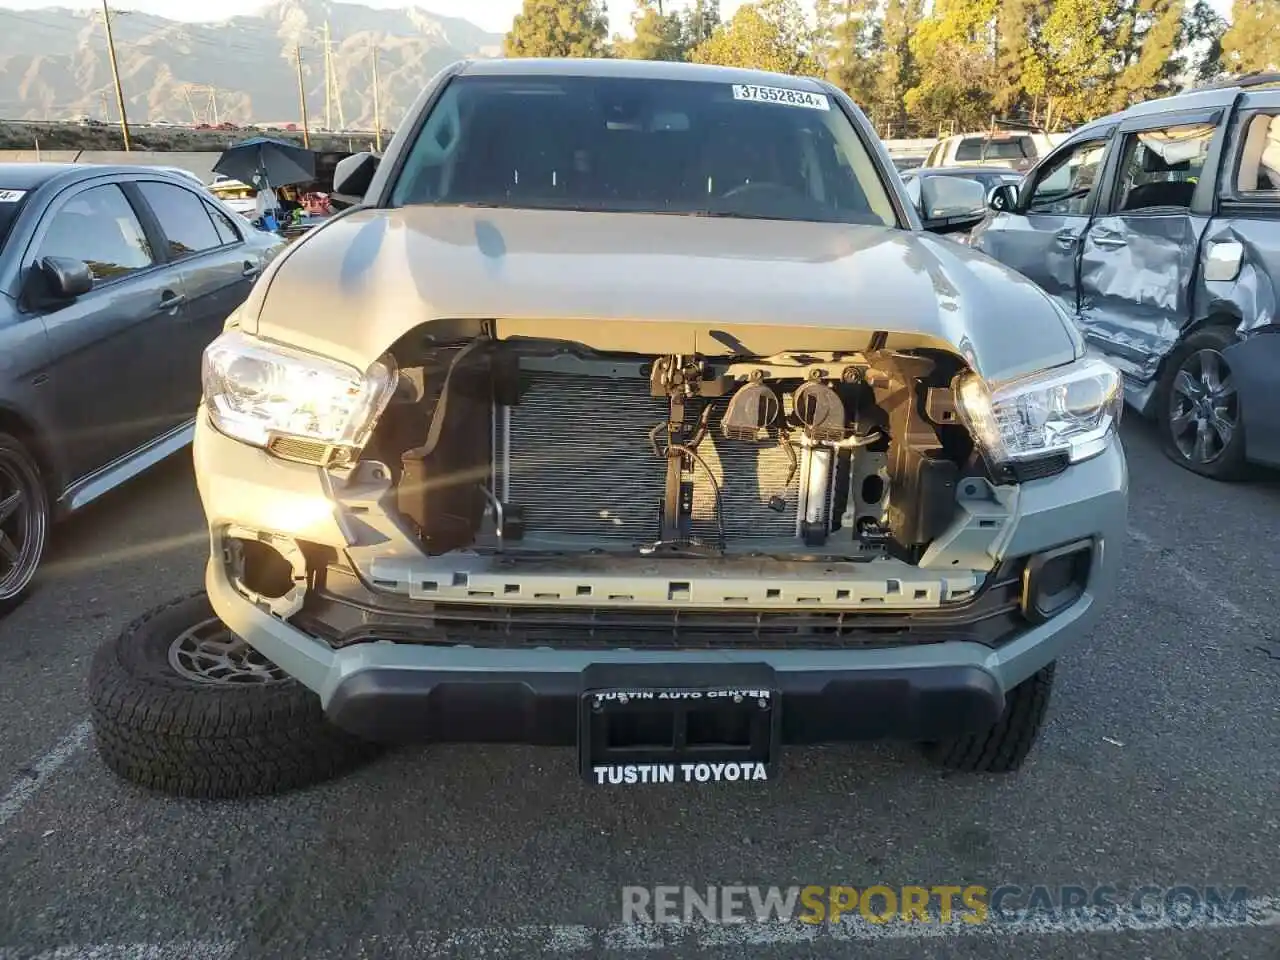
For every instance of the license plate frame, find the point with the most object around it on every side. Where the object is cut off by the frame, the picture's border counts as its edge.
(647, 725)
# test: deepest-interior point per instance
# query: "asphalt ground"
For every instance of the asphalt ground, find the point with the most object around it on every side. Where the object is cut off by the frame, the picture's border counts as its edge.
(1160, 766)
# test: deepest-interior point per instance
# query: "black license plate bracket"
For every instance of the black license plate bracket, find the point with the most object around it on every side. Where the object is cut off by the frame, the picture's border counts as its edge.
(641, 723)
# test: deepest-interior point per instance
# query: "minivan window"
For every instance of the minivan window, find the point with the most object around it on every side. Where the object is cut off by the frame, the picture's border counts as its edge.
(1066, 183)
(1260, 156)
(1162, 167)
(614, 144)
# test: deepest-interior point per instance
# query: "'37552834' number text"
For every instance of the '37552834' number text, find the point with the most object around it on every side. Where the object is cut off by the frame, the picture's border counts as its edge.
(781, 95)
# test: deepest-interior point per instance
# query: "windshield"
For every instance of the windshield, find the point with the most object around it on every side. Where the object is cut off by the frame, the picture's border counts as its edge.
(645, 146)
(11, 204)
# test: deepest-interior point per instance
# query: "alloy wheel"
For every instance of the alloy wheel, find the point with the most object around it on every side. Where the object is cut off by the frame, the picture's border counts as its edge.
(1204, 411)
(210, 653)
(23, 523)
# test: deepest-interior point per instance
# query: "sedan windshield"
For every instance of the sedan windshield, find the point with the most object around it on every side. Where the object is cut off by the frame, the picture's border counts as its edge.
(11, 204)
(614, 144)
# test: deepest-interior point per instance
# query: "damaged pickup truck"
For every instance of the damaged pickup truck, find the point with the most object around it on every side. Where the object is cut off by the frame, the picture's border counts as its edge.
(631, 409)
(1158, 230)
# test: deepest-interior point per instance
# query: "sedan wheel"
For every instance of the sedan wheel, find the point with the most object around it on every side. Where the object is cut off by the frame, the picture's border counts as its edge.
(1204, 411)
(24, 521)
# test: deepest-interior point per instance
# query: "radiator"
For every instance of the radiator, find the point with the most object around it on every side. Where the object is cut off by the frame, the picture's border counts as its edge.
(575, 456)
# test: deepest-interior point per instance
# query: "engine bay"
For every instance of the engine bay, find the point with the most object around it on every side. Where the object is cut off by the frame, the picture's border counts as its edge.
(525, 446)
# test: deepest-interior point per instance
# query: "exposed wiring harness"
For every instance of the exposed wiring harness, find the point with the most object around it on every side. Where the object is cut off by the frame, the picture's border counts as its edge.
(690, 449)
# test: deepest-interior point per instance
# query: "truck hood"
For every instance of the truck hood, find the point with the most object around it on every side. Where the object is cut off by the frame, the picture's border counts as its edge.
(651, 283)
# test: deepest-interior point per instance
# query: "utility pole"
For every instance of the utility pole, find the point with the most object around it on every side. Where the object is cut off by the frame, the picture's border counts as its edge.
(115, 75)
(328, 79)
(302, 99)
(377, 106)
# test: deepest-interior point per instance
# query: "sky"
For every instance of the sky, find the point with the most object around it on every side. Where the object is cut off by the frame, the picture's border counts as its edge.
(495, 15)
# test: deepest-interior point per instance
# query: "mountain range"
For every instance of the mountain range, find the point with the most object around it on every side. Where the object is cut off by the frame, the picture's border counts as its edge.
(54, 63)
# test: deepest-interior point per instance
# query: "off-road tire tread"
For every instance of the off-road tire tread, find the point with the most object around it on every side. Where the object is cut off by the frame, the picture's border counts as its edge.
(185, 739)
(1004, 747)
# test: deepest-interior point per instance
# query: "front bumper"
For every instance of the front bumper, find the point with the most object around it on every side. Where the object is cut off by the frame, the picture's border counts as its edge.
(397, 690)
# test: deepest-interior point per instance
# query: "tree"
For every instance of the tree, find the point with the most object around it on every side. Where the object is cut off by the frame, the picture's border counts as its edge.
(898, 73)
(658, 35)
(1146, 42)
(1202, 30)
(558, 28)
(849, 45)
(1253, 42)
(1068, 65)
(768, 35)
(699, 21)
(955, 48)
(1017, 22)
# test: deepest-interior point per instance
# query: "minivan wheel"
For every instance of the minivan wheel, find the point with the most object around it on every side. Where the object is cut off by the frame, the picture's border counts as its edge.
(1003, 747)
(183, 706)
(24, 521)
(1199, 407)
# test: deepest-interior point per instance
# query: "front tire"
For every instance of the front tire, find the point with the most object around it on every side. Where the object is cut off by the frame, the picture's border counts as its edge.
(1199, 409)
(1004, 747)
(182, 706)
(24, 521)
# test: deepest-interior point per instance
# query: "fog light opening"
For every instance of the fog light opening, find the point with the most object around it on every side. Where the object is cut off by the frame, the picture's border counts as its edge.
(1054, 580)
(270, 571)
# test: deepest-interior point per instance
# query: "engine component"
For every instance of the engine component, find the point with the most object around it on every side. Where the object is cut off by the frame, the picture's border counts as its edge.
(752, 411)
(819, 409)
(441, 482)
(815, 496)
(922, 480)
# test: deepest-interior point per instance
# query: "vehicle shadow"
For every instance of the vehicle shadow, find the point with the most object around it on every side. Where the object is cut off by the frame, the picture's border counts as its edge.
(153, 515)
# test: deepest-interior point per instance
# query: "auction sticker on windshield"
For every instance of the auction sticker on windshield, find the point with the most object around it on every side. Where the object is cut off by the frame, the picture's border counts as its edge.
(11, 196)
(781, 95)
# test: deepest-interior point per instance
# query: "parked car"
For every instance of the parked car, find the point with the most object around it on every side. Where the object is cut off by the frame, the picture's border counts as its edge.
(1017, 151)
(1158, 230)
(951, 177)
(114, 280)
(673, 436)
(237, 196)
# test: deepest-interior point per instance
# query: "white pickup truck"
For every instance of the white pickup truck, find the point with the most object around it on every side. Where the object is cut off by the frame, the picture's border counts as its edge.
(1016, 150)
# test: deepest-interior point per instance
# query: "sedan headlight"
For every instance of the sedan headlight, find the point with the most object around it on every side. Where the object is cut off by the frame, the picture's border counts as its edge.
(261, 393)
(1070, 410)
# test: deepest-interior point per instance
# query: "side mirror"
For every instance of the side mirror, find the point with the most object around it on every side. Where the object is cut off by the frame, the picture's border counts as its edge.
(1003, 198)
(352, 176)
(65, 279)
(951, 203)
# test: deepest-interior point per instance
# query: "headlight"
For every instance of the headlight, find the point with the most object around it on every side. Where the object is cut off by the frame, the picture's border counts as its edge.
(260, 392)
(1071, 409)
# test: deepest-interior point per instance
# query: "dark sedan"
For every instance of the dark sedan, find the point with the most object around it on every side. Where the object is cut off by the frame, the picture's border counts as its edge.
(114, 279)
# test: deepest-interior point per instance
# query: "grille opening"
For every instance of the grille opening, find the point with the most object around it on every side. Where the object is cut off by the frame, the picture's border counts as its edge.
(531, 447)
